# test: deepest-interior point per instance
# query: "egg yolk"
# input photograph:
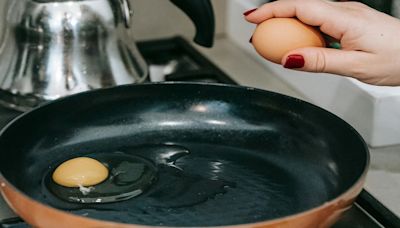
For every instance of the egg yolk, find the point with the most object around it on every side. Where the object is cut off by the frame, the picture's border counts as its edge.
(80, 172)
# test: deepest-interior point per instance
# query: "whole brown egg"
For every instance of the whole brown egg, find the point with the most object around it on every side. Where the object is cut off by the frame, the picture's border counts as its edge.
(275, 37)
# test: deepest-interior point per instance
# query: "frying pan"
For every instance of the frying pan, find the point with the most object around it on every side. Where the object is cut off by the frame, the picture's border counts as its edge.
(283, 162)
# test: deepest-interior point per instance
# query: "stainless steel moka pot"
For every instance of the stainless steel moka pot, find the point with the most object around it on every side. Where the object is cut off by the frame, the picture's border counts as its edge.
(54, 48)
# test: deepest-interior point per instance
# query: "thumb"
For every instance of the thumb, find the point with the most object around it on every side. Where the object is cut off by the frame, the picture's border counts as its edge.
(327, 60)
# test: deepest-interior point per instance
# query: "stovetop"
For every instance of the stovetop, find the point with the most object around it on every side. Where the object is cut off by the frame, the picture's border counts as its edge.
(174, 59)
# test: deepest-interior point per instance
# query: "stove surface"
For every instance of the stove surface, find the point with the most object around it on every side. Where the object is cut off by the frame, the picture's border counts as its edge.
(174, 59)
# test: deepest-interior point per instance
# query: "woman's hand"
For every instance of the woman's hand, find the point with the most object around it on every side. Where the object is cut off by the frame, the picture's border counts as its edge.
(370, 40)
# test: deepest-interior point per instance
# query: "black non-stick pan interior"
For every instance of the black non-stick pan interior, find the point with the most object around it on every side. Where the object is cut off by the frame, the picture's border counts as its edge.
(217, 155)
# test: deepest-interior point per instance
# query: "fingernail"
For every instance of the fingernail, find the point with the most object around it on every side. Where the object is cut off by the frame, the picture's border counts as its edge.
(294, 61)
(251, 39)
(248, 12)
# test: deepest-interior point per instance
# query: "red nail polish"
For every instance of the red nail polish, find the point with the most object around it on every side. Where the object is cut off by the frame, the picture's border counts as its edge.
(248, 12)
(251, 39)
(294, 61)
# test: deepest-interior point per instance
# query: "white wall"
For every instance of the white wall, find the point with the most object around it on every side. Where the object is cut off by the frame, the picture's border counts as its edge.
(160, 18)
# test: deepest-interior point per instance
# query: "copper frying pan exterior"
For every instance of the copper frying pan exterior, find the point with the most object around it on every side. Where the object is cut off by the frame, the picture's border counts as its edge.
(325, 214)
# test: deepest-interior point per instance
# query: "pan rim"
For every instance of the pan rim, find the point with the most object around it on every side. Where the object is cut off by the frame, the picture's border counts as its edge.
(327, 204)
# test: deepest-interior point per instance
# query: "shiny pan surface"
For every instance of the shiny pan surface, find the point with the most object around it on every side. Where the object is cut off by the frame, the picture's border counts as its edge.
(269, 160)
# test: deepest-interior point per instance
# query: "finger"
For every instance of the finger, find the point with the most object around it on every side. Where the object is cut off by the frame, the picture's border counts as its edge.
(311, 12)
(347, 63)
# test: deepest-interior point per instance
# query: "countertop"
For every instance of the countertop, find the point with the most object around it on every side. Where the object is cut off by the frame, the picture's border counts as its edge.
(383, 179)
